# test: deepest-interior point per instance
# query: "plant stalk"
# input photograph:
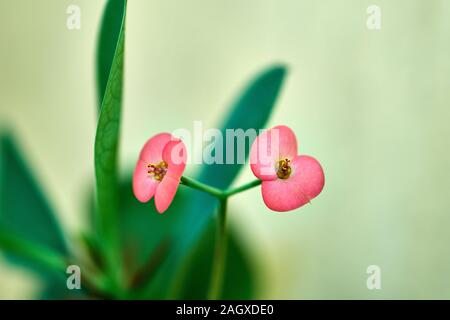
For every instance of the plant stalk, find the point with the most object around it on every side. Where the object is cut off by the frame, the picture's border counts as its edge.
(202, 187)
(220, 194)
(220, 253)
(244, 187)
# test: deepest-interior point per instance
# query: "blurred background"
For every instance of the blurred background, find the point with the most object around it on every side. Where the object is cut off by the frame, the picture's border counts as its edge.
(371, 105)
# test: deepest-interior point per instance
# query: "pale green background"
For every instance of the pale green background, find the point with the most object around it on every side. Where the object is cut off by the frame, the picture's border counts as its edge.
(372, 106)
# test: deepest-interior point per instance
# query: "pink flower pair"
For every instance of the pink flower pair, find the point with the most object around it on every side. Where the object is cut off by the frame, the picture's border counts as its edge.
(288, 180)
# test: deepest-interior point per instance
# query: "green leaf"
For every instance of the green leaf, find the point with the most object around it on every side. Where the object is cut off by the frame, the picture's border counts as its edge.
(107, 135)
(24, 211)
(18, 245)
(107, 43)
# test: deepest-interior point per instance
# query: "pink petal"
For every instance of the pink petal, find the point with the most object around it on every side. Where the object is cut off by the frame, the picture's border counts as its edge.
(288, 142)
(153, 148)
(175, 155)
(144, 186)
(268, 148)
(165, 193)
(304, 184)
(262, 160)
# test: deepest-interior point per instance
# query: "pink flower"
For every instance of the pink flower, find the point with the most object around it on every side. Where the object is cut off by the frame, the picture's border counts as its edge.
(288, 180)
(159, 169)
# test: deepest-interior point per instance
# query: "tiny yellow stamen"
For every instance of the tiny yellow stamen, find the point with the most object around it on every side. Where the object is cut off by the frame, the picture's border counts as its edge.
(157, 171)
(284, 169)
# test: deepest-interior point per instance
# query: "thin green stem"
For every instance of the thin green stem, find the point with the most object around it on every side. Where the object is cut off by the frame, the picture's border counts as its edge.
(202, 187)
(220, 194)
(218, 267)
(244, 187)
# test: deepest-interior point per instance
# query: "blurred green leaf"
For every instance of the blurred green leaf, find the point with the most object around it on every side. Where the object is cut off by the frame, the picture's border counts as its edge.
(107, 43)
(107, 135)
(12, 243)
(24, 211)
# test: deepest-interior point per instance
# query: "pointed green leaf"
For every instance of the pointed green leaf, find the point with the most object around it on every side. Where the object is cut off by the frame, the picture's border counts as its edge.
(107, 135)
(24, 211)
(107, 43)
(10, 242)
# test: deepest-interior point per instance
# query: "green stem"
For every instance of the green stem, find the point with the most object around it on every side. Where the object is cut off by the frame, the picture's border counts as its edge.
(202, 187)
(220, 194)
(244, 187)
(218, 267)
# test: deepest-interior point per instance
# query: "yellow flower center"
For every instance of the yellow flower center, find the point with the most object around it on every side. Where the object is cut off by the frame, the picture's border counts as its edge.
(157, 171)
(284, 169)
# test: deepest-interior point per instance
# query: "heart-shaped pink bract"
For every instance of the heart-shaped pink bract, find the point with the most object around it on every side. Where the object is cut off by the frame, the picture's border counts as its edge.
(289, 181)
(159, 169)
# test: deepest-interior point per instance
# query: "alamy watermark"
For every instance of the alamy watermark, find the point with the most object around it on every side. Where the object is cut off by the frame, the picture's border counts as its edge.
(73, 281)
(373, 281)
(73, 21)
(230, 146)
(374, 17)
